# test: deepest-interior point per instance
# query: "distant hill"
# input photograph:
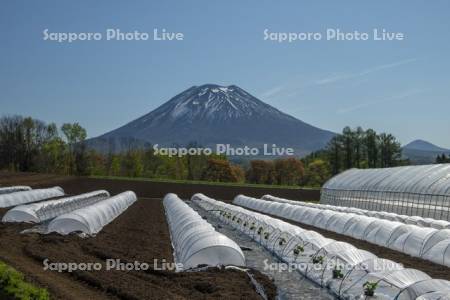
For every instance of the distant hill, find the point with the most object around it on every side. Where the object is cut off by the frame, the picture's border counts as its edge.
(423, 152)
(211, 114)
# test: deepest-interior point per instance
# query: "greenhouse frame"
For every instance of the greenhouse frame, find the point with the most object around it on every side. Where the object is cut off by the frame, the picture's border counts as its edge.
(412, 190)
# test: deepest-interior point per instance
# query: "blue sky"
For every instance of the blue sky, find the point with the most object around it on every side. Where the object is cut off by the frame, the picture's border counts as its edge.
(402, 87)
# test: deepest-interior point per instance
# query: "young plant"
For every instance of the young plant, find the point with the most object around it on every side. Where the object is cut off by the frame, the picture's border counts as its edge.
(299, 249)
(317, 259)
(266, 235)
(282, 241)
(245, 224)
(369, 288)
(337, 273)
(252, 227)
(260, 229)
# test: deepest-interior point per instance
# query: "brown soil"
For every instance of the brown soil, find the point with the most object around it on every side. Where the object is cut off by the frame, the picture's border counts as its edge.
(151, 189)
(434, 270)
(139, 234)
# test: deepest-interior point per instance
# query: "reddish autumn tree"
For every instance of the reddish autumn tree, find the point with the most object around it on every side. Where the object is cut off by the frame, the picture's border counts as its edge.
(219, 170)
(289, 171)
(261, 171)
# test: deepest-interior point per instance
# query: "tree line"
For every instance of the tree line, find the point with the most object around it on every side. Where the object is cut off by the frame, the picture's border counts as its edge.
(442, 159)
(30, 145)
(27, 144)
(359, 148)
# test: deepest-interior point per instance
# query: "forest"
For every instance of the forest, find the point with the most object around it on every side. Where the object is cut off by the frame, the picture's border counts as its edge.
(31, 145)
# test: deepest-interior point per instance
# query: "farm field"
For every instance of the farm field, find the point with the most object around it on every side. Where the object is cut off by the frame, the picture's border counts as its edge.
(139, 234)
(153, 188)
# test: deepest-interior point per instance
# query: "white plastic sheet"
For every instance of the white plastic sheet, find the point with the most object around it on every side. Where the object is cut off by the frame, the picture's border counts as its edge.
(46, 210)
(319, 254)
(413, 220)
(425, 242)
(13, 189)
(195, 241)
(29, 196)
(411, 190)
(445, 295)
(91, 219)
(424, 287)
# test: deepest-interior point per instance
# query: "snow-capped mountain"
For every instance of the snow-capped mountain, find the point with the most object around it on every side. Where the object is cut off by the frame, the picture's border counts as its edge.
(212, 114)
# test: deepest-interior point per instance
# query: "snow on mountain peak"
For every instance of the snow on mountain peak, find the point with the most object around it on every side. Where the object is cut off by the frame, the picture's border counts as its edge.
(217, 102)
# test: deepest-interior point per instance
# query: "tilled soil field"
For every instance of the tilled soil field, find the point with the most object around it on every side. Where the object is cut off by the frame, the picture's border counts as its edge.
(152, 189)
(140, 234)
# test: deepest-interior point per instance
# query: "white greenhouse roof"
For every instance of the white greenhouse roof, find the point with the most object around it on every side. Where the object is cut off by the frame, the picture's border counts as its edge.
(425, 242)
(22, 197)
(45, 210)
(13, 189)
(356, 266)
(195, 241)
(91, 219)
(427, 179)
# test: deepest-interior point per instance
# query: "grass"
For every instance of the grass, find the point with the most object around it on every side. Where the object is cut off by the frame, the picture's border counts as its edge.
(13, 284)
(292, 187)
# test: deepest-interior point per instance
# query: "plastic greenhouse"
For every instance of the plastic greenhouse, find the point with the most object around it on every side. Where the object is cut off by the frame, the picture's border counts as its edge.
(414, 220)
(195, 241)
(336, 265)
(425, 242)
(13, 189)
(445, 295)
(412, 190)
(46, 210)
(91, 219)
(22, 197)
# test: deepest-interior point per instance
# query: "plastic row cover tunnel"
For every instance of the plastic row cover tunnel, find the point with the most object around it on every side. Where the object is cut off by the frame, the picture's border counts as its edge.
(428, 243)
(13, 189)
(91, 219)
(410, 190)
(46, 210)
(414, 220)
(195, 241)
(336, 265)
(29, 196)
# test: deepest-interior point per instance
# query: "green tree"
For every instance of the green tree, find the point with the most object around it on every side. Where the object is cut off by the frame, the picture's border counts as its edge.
(317, 173)
(348, 143)
(74, 134)
(390, 150)
(334, 150)
(371, 143)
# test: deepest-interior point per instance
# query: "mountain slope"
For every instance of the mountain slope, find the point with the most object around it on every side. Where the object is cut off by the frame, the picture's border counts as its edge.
(424, 146)
(212, 114)
(423, 152)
